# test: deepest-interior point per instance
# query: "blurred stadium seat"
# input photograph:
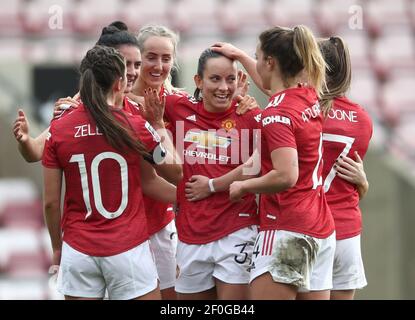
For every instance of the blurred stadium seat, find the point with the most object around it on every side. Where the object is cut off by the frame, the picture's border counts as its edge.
(27, 265)
(137, 13)
(19, 241)
(393, 50)
(289, 13)
(381, 14)
(364, 90)
(240, 17)
(192, 48)
(20, 214)
(193, 17)
(359, 46)
(10, 17)
(13, 190)
(89, 16)
(398, 95)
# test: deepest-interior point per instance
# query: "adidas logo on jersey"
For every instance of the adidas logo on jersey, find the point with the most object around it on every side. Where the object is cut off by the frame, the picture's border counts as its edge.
(191, 118)
(276, 101)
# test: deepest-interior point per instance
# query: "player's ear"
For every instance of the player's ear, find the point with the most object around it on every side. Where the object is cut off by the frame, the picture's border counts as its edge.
(271, 62)
(118, 84)
(198, 81)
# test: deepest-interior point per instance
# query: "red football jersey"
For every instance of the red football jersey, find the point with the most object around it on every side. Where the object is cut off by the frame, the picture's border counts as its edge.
(159, 214)
(103, 211)
(293, 119)
(211, 144)
(348, 128)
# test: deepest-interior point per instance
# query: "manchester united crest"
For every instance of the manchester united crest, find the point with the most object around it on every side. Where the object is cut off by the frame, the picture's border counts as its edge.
(228, 124)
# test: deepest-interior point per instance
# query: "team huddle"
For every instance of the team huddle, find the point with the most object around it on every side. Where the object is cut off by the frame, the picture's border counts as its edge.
(161, 185)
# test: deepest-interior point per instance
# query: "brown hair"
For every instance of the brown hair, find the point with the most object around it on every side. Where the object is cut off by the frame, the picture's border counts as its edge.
(100, 68)
(295, 49)
(116, 34)
(338, 71)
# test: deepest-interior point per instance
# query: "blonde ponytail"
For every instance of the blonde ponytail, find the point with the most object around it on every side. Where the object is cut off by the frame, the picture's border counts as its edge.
(306, 48)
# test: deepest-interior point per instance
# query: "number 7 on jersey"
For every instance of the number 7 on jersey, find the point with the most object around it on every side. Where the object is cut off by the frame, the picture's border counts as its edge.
(348, 141)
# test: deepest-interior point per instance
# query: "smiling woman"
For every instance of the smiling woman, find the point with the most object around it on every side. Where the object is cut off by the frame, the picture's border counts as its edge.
(216, 79)
(101, 245)
(216, 236)
(158, 46)
(116, 35)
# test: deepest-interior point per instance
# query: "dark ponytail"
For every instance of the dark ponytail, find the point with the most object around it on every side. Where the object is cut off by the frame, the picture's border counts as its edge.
(338, 71)
(116, 34)
(119, 25)
(100, 68)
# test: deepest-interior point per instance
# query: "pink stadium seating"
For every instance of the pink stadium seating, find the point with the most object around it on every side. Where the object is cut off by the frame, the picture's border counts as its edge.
(10, 17)
(359, 46)
(289, 13)
(137, 13)
(17, 241)
(393, 50)
(193, 17)
(27, 265)
(385, 13)
(192, 48)
(398, 95)
(22, 215)
(240, 17)
(332, 15)
(364, 90)
(90, 16)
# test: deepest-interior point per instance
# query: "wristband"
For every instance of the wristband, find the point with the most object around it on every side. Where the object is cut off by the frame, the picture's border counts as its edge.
(211, 187)
(64, 106)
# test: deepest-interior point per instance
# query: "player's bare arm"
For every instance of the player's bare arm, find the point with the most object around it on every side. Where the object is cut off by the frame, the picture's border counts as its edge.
(169, 167)
(198, 187)
(155, 186)
(30, 148)
(248, 62)
(52, 212)
(283, 176)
